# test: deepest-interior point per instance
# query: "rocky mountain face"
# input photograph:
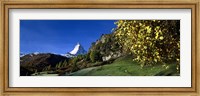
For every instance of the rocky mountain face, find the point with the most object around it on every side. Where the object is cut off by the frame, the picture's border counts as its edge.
(78, 49)
(32, 62)
(107, 47)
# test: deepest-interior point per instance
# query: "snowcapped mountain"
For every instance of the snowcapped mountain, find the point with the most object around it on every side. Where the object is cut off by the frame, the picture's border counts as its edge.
(31, 54)
(78, 49)
(69, 55)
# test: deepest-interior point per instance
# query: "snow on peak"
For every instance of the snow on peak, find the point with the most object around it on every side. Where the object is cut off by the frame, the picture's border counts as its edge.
(78, 49)
(36, 53)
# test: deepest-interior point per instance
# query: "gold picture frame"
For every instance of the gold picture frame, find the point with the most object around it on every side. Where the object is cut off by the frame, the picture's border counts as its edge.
(38, 4)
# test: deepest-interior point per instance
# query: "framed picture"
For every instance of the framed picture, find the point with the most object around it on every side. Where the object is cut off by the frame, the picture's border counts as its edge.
(100, 47)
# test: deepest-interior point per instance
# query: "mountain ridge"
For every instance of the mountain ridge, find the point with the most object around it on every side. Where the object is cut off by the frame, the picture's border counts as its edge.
(29, 63)
(78, 50)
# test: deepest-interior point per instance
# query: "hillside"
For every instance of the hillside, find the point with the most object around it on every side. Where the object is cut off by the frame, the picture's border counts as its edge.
(107, 48)
(125, 66)
(37, 62)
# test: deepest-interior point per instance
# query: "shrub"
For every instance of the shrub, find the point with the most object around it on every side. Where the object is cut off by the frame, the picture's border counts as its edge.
(95, 56)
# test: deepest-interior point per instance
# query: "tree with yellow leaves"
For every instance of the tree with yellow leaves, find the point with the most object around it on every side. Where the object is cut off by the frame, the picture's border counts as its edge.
(151, 41)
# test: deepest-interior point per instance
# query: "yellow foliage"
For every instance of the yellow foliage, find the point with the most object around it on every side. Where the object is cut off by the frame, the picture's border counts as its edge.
(151, 41)
(161, 37)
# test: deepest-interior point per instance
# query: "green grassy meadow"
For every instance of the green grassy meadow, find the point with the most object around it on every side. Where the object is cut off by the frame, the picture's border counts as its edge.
(125, 66)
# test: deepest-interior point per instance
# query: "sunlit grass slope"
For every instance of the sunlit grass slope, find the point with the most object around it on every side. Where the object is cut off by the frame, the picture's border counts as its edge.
(125, 66)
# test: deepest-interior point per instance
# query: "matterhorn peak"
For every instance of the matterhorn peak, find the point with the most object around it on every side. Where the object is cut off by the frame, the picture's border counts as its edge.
(78, 49)
(78, 44)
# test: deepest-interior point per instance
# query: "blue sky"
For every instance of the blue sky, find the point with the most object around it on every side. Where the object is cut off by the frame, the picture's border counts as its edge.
(60, 36)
